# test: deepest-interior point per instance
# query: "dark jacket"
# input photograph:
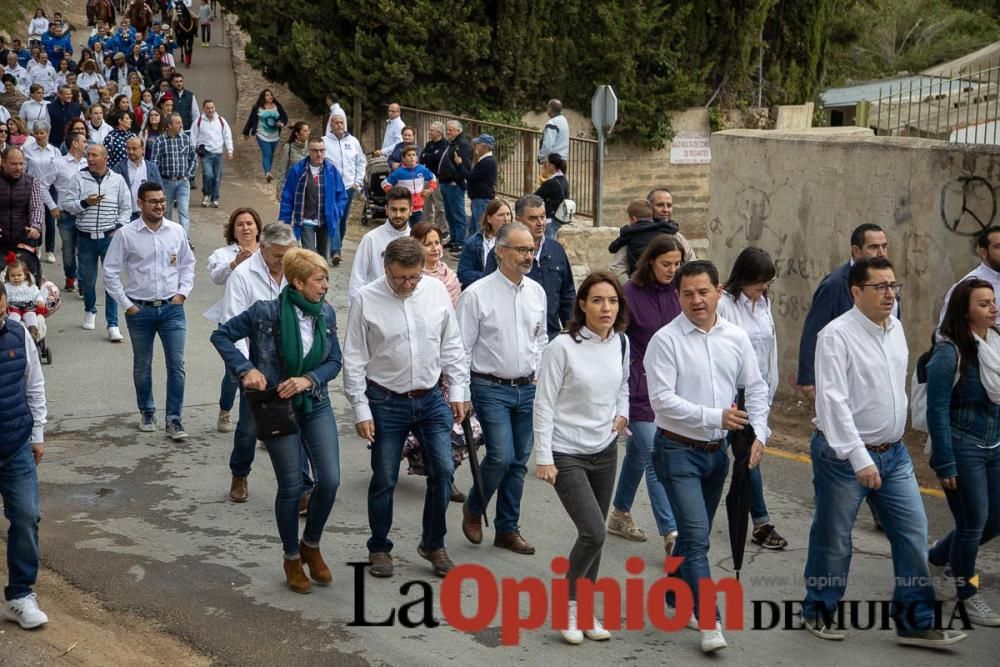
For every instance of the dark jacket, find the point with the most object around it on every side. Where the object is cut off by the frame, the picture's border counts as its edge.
(831, 299)
(251, 125)
(470, 264)
(184, 105)
(152, 172)
(15, 209)
(430, 157)
(261, 324)
(553, 272)
(60, 114)
(636, 237)
(649, 309)
(450, 173)
(553, 191)
(16, 422)
(482, 180)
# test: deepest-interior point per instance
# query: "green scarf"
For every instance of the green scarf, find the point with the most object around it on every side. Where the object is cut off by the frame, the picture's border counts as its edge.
(296, 362)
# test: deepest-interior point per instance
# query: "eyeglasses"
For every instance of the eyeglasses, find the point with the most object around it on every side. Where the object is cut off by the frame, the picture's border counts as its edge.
(883, 288)
(403, 280)
(155, 202)
(521, 250)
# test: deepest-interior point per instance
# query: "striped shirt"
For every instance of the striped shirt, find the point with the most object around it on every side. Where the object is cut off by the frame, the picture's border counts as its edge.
(175, 157)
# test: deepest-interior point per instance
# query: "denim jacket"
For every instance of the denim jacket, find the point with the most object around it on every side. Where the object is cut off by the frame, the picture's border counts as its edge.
(964, 416)
(259, 324)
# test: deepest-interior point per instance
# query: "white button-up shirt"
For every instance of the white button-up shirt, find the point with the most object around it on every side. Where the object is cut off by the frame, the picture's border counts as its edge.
(248, 283)
(693, 376)
(403, 344)
(137, 175)
(860, 385)
(63, 175)
(756, 320)
(158, 264)
(39, 162)
(35, 387)
(503, 325)
(368, 259)
(393, 134)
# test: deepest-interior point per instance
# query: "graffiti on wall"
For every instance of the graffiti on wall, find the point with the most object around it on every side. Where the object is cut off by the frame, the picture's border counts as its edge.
(968, 205)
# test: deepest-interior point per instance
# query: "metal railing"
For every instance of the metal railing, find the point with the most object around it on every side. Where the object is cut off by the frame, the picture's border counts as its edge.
(962, 108)
(516, 154)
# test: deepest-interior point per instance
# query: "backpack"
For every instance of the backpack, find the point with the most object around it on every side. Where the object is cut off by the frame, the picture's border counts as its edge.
(918, 391)
(567, 209)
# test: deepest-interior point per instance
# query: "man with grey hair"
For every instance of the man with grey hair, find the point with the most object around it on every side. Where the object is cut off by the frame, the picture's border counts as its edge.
(550, 267)
(555, 134)
(345, 152)
(453, 168)
(430, 157)
(259, 278)
(402, 338)
(502, 318)
(177, 161)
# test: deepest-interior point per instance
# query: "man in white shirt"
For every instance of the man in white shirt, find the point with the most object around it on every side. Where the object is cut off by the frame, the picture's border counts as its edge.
(96, 127)
(988, 245)
(693, 367)
(368, 265)
(393, 130)
(44, 75)
(211, 137)
(402, 338)
(858, 452)
(259, 278)
(14, 68)
(61, 178)
(555, 134)
(344, 150)
(502, 319)
(136, 170)
(159, 265)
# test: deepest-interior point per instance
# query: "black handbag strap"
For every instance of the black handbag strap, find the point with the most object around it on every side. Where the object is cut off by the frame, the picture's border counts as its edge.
(277, 343)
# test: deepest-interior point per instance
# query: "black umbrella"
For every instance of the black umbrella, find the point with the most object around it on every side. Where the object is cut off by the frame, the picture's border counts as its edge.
(477, 479)
(738, 498)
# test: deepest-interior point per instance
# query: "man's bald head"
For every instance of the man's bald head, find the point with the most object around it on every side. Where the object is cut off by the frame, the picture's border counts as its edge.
(97, 159)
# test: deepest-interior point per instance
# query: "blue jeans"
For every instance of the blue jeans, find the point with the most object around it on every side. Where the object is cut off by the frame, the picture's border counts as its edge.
(267, 149)
(50, 225)
(454, 211)
(179, 191)
(227, 393)
(244, 448)
(505, 415)
(68, 237)
(19, 490)
(169, 322)
(898, 503)
(316, 239)
(430, 419)
(318, 435)
(478, 209)
(758, 507)
(552, 229)
(211, 175)
(638, 462)
(975, 504)
(694, 480)
(416, 218)
(90, 250)
(346, 214)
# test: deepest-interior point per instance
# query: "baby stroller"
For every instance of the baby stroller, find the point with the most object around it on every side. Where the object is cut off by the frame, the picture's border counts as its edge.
(375, 197)
(53, 299)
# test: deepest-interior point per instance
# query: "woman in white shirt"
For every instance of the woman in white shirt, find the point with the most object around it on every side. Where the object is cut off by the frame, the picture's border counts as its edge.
(242, 234)
(38, 26)
(89, 81)
(746, 302)
(580, 408)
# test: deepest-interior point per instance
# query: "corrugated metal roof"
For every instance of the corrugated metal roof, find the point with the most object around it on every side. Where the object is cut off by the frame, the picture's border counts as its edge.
(920, 85)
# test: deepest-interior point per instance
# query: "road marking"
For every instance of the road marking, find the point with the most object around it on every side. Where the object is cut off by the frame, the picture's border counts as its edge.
(802, 458)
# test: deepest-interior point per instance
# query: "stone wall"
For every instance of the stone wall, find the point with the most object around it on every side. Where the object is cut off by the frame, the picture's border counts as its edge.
(798, 195)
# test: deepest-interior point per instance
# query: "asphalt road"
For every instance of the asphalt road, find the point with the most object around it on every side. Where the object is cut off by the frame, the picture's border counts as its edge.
(145, 524)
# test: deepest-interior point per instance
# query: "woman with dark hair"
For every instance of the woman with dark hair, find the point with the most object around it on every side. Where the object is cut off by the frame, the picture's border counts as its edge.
(77, 125)
(123, 123)
(652, 302)
(746, 303)
(242, 235)
(295, 150)
(151, 129)
(477, 248)
(581, 406)
(553, 190)
(430, 238)
(265, 122)
(963, 418)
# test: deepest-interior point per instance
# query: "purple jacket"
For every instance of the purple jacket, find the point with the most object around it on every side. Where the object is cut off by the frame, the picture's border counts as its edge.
(649, 309)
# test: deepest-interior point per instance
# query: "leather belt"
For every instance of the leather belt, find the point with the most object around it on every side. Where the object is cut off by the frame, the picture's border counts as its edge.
(707, 446)
(878, 449)
(516, 382)
(415, 393)
(156, 303)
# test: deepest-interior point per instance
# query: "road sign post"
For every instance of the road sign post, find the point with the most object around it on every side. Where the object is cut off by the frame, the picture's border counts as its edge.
(604, 115)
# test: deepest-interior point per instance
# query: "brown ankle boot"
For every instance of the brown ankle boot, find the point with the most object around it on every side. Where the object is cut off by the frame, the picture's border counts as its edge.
(297, 579)
(313, 559)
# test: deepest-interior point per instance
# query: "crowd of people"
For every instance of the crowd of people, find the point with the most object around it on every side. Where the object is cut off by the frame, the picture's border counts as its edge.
(657, 348)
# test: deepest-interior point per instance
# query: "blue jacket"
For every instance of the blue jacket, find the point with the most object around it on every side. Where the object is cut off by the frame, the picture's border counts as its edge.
(553, 272)
(57, 47)
(334, 195)
(957, 416)
(260, 324)
(471, 265)
(152, 172)
(16, 420)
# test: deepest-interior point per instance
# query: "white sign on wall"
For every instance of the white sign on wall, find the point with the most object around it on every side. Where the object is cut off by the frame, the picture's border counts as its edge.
(690, 147)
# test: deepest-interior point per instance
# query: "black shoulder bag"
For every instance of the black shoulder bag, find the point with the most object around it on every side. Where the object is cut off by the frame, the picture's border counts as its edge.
(273, 416)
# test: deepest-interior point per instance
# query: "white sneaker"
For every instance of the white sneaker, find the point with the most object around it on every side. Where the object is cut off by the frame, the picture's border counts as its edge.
(215, 203)
(598, 633)
(50, 258)
(713, 640)
(115, 335)
(980, 612)
(204, 201)
(572, 634)
(89, 321)
(25, 612)
(670, 542)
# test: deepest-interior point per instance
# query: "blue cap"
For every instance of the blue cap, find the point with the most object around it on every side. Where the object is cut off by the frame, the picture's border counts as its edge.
(485, 139)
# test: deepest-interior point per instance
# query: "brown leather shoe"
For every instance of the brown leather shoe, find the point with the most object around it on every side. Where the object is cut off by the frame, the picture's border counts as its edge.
(304, 504)
(296, 576)
(514, 542)
(472, 525)
(313, 559)
(381, 564)
(438, 558)
(238, 492)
